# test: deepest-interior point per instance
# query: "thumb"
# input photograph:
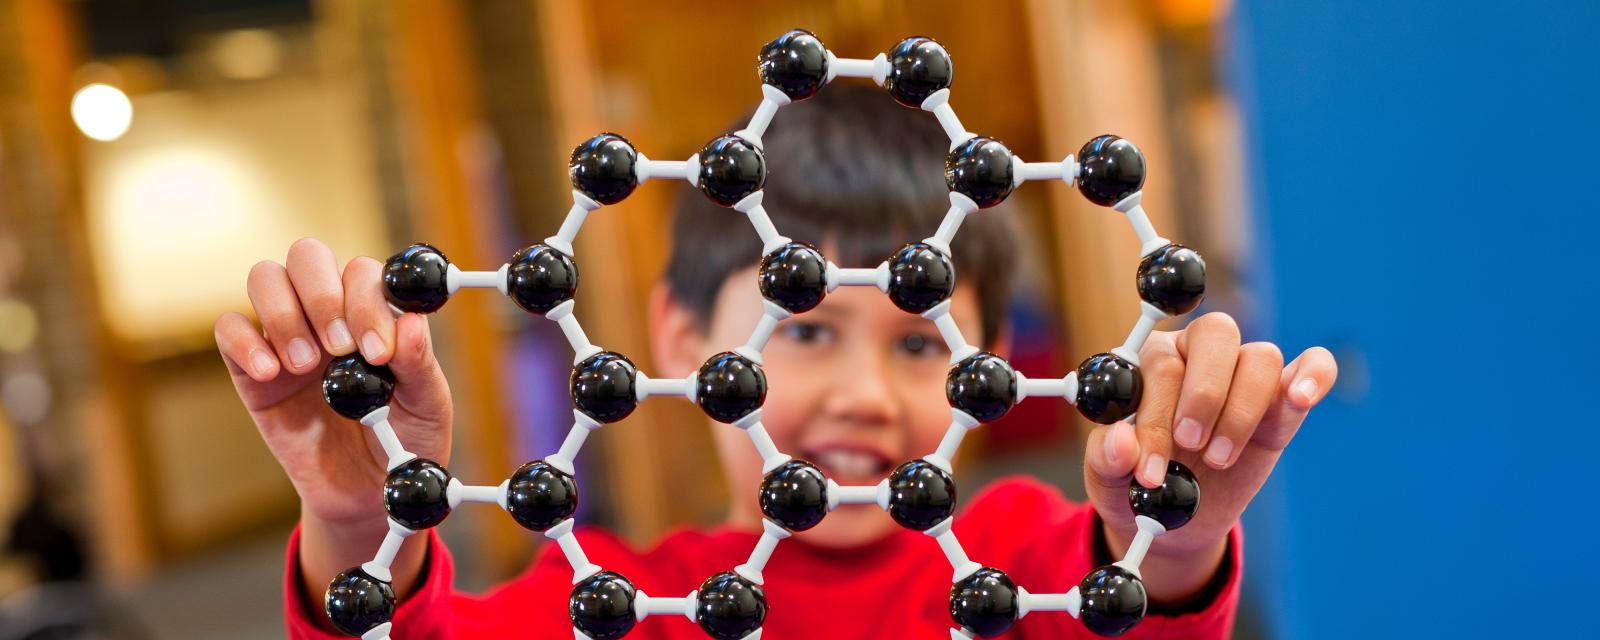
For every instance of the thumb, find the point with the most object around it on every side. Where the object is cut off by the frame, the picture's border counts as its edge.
(420, 386)
(1109, 458)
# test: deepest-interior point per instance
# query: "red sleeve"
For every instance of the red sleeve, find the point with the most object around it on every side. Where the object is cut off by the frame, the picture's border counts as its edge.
(1047, 544)
(521, 607)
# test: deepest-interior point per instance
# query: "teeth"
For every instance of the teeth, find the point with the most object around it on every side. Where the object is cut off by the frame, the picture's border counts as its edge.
(848, 463)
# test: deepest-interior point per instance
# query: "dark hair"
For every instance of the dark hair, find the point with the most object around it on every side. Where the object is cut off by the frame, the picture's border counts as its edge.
(857, 175)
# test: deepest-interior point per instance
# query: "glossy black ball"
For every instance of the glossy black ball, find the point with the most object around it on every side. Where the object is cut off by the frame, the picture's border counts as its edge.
(920, 277)
(795, 495)
(796, 63)
(795, 277)
(985, 603)
(416, 494)
(1109, 388)
(729, 386)
(983, 385)
(602, 386)
(918, 68)
(604, 168)
(730, 169)
(1173, 279)
(540, 277)
(981, 169)
(602, 606)
(356, 602)
(1173, 503)
(1113, 600)
(1110, 169)
(414, 280)
(354, 388)
(921, 495)
(541, 496)
(729, 607)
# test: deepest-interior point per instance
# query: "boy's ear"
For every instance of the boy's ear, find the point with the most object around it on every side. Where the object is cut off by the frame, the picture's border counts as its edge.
(675, 335)
(1001, 344)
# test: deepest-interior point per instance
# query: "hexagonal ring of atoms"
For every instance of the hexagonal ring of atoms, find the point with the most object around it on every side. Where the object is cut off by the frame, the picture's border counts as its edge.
(731, 387)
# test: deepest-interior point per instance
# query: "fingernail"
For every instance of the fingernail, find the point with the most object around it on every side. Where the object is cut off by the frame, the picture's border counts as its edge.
(1188, 433)
(371, 345)
(1111, 443)
(1217, 454)
(300, 353)
(339, 335)
(1155, 468)
(1307, 389)
(260, 362)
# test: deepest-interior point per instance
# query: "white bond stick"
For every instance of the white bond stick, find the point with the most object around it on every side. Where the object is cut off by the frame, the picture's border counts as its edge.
(581, 347)
(874, 277)
(877, 494)
(771, 99)
(1071, 392)
(581, 206)
(1065, 171)
(1070, 602)
(1149, 315)
(1040, 387)
(953, 552)
(771, 533)
(455, 279)
(378, 421)
(645, 605)
(457, 493)
(960, 424)
(771, 240)
(582, 424)
(380, 632)
(877, 68)
(950, 331)
(939, 104)
(581, 567)
(958, 634)
(647, 386)
(771, 315)
(1149, 240)
(771, 458)
(379, 566)
(646, 169)
(1149, 528)
(960, 207)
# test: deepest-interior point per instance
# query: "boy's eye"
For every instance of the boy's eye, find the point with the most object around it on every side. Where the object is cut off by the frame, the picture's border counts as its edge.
(918, 344)
(806, 332)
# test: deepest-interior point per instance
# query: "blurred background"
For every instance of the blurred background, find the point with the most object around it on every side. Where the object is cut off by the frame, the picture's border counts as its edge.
(1389, 179)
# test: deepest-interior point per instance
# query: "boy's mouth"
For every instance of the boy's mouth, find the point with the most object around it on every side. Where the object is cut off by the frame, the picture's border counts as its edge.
(849, 464)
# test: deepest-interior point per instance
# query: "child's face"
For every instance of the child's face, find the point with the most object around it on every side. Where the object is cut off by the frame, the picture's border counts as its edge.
(855, 386)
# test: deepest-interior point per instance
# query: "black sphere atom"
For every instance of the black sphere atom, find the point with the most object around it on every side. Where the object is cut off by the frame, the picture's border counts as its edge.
(354, 388)
(983, 385)
(356, 602)
(981, 169)
(796, 63)
(541, 496)
(918, 68)
(1173, 503)
(730, 169)
(985, 603)
(920, 277)
(1173, 279)
(414, 280)
(795, 277)
(1110, 169)
(540, 277)
(921, 495)
(729, 386)
(1109, 388)
(603, 168)
(602, 606)
(415, 494)
(795, 495)
(602, 386)
(729, 607)
(1113, 600)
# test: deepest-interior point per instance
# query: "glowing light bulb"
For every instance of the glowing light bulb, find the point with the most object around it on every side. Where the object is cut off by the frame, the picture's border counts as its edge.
(102, 112)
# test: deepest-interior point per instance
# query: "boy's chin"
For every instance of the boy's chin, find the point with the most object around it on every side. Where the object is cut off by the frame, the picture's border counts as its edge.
(852, 526)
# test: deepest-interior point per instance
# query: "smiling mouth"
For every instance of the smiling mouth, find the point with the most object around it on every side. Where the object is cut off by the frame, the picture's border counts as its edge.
(847, 465)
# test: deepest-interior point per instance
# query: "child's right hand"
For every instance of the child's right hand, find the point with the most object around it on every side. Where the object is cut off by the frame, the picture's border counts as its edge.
(310, 311)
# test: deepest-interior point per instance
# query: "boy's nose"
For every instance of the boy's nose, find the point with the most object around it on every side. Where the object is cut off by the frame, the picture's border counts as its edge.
(863, 389)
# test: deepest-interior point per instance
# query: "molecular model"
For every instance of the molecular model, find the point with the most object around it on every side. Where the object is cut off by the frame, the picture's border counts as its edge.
(730, 387)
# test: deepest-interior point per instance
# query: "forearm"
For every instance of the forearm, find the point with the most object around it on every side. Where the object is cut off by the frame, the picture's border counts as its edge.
(327, 548)
(1172, 577)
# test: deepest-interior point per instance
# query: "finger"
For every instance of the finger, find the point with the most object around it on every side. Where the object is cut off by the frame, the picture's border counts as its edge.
(422, 390)
(1210, 350)
(1255, 386)
(315, 275)
(279, 311)
(1112, 451)
(243, 348)
(1304, 383)
(367, 311)
(1163, 372)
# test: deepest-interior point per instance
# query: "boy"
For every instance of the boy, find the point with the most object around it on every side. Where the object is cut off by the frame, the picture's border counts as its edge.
(855, 387)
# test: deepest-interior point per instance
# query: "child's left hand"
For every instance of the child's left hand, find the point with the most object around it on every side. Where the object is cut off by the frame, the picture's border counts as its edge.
(1231, 409)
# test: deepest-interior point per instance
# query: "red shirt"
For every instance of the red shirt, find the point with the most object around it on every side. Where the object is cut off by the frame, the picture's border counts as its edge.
(897, 587)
